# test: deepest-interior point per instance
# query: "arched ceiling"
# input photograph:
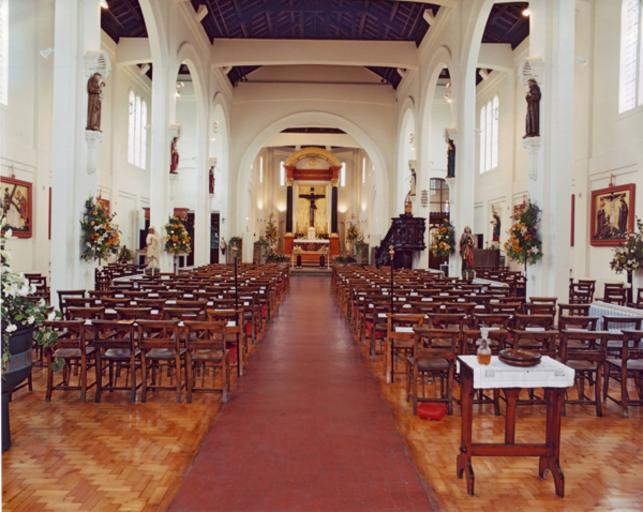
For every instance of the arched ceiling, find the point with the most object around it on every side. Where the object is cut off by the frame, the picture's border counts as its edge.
(370, 20)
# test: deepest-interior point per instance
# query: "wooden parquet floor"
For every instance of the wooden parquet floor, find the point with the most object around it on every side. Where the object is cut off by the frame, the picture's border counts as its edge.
(113, 456)
(602, 458)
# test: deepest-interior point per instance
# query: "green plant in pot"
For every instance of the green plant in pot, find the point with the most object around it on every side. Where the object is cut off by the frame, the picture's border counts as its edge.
(629, 257)
(21, 317)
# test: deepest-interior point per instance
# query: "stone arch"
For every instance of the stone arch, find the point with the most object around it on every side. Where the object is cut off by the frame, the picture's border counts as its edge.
(303, 119)
(314, 153)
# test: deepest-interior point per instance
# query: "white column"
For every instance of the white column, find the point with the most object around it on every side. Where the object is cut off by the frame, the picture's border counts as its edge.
(462, 194)
(160, 152)
(551, 50)
(76, 35)
(202, 211)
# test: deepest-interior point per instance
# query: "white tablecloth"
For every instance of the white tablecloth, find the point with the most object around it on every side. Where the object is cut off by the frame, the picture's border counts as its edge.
(548, 374)
(601, 309)
(489, 282)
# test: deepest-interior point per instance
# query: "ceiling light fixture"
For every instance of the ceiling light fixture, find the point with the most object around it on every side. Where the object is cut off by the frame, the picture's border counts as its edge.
(526, 12)
(104, 4)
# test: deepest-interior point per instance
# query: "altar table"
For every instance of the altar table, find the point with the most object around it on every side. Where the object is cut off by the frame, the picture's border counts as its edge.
(551, 375)
(311, 251)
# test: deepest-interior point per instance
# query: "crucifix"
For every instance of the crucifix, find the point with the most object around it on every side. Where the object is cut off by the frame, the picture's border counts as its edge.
(312, 197)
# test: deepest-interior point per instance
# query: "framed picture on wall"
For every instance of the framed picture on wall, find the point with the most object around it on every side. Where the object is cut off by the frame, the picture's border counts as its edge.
(612, 214)
(15, 199)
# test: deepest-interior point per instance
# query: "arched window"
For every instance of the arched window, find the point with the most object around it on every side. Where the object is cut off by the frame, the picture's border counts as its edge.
(4, 51)
(489, 115)
(137, 130)
(631, 68)
(282, 174)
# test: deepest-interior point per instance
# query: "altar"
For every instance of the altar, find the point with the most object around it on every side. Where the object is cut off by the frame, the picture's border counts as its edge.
(311, 235)
(310, 252)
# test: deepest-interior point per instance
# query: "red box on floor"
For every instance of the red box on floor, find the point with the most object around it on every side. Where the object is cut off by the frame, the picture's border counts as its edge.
(429, 411)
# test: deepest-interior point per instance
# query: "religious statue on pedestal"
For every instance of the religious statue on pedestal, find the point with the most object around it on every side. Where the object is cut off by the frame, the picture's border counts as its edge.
(533, 110)
(95, 86)
(450, 158)
(466, 250)
(211, 180)
(174, 156)
(495, 222)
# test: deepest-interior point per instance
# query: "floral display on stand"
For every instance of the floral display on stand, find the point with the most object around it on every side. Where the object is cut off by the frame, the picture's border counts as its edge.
(100, 237)
(443, 243)
(177, 239)
(524, 244)
(19, 309)
(629, 257)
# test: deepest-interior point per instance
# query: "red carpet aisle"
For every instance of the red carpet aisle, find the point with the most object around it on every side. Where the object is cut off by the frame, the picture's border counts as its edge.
(307, 430)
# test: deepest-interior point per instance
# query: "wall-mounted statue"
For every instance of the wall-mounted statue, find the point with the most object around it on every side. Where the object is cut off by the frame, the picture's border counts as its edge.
(95, 86)
(496, 223)
(174, 156)
(450, 158)
(533, 110)
(211, 179)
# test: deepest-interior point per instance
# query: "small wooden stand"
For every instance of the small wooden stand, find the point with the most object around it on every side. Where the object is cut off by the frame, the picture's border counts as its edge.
(548, 452)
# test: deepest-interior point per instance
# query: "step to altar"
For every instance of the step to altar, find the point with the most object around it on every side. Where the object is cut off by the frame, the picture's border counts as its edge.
(310, 271)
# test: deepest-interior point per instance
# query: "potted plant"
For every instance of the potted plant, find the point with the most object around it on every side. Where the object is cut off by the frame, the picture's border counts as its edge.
(629, 257)
(100, 237)
(21, 316)
(271, 235)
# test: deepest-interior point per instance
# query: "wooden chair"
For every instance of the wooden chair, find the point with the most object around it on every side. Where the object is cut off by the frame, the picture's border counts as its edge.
(159, 343)
(615, 293)
(540, 308)
(133, 313)
(586, 353)
(581, 291)
(72, 349)
(573, 309)
(173, 313)
(206, 347)
(523, 322)
(114, 344)
(80, 313)
(628, 365)
(234, 334)
(434, 355)
(400, 339)
(587, 323)
(63, 294)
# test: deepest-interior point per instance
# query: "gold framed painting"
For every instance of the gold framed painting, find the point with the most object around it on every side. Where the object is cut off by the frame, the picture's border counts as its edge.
(15, 200)
(612, 214)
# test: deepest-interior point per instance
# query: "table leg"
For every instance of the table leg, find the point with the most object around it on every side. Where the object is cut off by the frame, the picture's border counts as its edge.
(511, 394)
(464, 457)
(554, 398)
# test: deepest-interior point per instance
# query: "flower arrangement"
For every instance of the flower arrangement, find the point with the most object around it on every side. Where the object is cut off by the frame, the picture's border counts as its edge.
(177, 239)
(524, 244)
(444, 240)
(352, 233)
(125, 255)
(100, 237)
(18, 309)
(629, 257)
